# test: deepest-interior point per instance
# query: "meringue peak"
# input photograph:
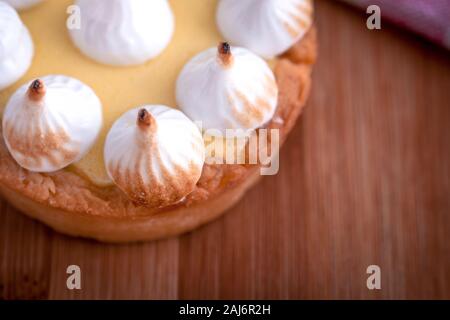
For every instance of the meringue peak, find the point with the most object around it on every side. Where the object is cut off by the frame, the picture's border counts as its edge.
(224, 54)
(145, 120)
(123, 32)
(48, 134)
(37, 90)
(16, 46)
(241, 95)
(157, 161)
(278, 24)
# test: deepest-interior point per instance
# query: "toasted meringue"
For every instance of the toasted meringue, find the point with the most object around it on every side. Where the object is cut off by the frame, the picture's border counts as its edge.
(16, 46)
(266, 27)
(51, 123)
(155, 154)
(22, 4)
(123, 32)
(227, 88)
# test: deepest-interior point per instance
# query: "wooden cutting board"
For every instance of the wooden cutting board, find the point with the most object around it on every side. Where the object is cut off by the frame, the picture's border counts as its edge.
(364, 180)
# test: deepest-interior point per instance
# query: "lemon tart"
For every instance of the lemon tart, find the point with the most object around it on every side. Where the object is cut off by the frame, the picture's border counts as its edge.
(138, 169)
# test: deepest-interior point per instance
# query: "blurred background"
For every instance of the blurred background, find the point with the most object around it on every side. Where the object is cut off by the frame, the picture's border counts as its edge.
(364, 180)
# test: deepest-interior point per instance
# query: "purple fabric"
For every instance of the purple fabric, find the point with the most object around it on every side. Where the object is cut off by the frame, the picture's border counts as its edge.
(429, 18)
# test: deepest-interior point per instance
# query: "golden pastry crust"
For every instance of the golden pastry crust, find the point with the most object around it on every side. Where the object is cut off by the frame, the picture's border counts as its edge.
(73, 205)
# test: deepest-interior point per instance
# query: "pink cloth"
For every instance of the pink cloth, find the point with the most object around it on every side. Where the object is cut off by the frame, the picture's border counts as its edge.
(429, 18)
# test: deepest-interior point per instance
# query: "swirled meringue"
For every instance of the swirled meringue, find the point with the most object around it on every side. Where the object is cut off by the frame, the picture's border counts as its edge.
(16, 46)
(266, 27)
(154, 154)
(51, 123)
(123, 32)
(23, 4)
(227, 88)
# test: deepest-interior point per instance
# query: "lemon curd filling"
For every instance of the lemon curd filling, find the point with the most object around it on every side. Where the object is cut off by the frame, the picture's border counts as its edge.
(119, 88)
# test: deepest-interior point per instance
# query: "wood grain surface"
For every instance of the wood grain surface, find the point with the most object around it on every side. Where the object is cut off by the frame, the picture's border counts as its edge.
(364, 179)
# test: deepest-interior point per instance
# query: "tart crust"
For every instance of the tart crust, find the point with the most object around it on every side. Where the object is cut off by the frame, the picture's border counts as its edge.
(71, 204)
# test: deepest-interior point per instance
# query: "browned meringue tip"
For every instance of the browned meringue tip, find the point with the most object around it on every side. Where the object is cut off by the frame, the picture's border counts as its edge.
(224, 53)
(37, 90)
(145, 120)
